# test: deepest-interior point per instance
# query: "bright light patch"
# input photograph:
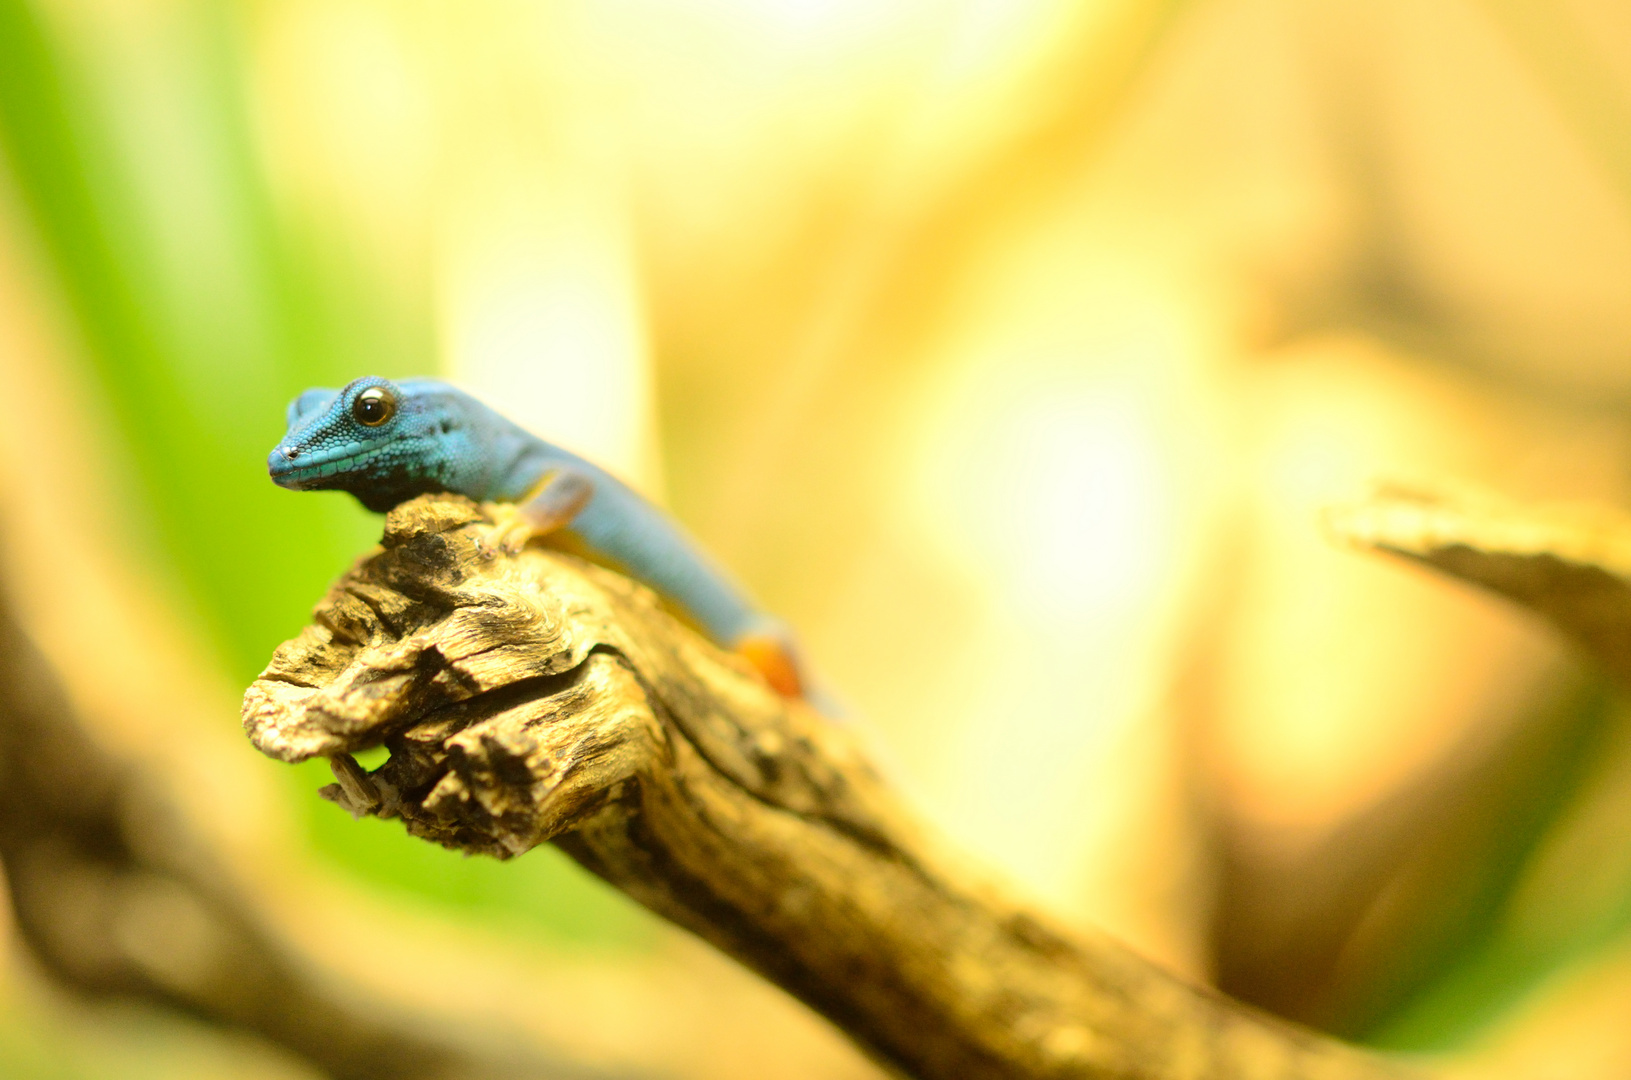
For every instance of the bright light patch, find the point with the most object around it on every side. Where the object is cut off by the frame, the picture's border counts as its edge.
(348, 111)
(542, 319)
(1057, 490)
(1050, 486)
(832, 17)
(1085, 509)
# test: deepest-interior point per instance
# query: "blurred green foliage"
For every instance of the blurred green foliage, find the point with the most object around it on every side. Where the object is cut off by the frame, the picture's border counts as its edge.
(28, 1054)
(199, 319)
(201, 310)
(1537, 881)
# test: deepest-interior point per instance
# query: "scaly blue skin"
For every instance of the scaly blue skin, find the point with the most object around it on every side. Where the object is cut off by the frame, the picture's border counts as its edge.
(442, 439)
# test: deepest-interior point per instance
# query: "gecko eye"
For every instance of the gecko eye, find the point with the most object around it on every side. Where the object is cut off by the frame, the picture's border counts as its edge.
(374, 406)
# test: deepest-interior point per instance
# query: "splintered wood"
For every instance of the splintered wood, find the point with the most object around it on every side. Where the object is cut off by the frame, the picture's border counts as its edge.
(528, 697)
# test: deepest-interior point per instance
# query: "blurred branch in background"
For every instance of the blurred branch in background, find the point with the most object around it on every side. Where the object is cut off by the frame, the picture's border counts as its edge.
(116, 896)
(1570, 564)
(1546, 875)
(1481, 151)
(1347, 933)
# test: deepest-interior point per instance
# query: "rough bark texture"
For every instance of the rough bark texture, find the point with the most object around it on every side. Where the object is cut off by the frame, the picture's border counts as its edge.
(535, 697)
(115, 895)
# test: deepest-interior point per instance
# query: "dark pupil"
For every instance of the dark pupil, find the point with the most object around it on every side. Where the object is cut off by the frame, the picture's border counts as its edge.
(372, 407)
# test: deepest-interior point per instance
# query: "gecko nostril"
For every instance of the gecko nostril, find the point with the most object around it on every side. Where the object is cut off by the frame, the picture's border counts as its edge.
(292, 452)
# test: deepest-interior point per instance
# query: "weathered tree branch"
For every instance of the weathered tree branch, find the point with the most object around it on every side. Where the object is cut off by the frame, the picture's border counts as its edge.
(535, 698)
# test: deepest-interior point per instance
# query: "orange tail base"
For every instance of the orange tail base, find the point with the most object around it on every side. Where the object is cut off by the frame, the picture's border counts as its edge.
(773, 659)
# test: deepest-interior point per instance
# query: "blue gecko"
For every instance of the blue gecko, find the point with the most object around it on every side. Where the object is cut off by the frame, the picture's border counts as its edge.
(386, 442)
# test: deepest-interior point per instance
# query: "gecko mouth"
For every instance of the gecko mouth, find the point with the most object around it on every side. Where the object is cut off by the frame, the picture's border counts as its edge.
(325, 472)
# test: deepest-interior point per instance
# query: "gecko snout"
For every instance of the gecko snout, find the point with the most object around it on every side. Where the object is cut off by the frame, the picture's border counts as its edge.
(280, 462)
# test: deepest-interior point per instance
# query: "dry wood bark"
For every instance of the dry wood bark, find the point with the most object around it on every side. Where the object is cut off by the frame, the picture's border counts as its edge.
(535, 697)
(115, 895)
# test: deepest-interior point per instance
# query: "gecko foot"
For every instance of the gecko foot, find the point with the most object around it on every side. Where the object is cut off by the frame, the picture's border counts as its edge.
(510, 531)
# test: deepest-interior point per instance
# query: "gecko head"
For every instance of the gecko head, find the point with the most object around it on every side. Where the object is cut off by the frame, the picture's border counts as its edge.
(374, 438)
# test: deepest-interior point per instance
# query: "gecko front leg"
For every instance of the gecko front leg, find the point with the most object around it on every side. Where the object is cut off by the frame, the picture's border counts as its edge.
(560, 497)
(551, 505)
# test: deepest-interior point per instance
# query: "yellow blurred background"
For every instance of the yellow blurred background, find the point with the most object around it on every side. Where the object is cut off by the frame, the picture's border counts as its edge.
(1008, 349)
